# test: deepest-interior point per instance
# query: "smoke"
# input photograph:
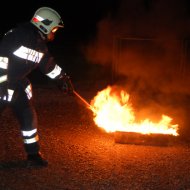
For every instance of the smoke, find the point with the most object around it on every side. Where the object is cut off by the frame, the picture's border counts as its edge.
(146, 41)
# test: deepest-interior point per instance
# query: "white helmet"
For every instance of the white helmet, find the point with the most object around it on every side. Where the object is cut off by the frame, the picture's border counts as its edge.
(46, 19)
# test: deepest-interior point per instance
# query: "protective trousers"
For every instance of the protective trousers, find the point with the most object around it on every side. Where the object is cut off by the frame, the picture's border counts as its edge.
(24, 111)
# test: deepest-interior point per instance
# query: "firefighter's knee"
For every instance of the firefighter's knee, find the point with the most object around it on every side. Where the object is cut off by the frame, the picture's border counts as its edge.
(29, 119)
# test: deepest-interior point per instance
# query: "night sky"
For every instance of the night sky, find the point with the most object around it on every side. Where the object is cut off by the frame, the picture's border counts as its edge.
(81, 17)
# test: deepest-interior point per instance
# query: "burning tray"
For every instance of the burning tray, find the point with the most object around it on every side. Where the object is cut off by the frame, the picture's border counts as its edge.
(153, 139)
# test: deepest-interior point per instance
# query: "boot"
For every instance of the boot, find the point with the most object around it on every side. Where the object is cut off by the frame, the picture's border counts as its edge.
(36, 160)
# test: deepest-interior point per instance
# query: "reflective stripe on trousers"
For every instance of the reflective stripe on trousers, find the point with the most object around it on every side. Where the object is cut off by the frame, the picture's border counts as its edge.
(28, 91)
(9, 95)
(30, 136)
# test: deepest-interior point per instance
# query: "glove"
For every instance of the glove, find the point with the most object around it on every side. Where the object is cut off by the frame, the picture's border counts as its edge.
(65, 84)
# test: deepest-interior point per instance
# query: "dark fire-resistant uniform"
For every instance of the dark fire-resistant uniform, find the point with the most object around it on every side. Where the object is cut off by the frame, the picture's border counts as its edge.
(22, 50)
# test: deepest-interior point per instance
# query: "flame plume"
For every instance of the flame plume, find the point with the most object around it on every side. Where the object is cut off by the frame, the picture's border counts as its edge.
(113, 112)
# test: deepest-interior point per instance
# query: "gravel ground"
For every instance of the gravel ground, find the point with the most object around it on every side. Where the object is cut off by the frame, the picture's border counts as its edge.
(83, 157)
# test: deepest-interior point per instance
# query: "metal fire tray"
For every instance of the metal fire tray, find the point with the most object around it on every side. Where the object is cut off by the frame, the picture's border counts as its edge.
(153, 139)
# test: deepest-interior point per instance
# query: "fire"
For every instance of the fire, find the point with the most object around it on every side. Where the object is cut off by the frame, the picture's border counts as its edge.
(113, 112)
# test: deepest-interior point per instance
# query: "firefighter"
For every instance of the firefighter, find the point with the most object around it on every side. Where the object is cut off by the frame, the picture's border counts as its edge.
(23, 49)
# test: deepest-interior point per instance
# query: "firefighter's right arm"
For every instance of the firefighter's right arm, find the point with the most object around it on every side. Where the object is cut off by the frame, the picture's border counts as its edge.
(55, 72)
(64, 83)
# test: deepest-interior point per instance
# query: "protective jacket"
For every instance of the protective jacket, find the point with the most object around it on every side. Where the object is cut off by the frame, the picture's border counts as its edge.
(22, 50)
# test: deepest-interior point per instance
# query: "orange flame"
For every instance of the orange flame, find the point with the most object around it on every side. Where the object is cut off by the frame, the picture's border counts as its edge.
(113, 112)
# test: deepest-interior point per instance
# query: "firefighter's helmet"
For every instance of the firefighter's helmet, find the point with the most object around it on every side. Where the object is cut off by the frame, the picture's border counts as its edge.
(46, 19)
